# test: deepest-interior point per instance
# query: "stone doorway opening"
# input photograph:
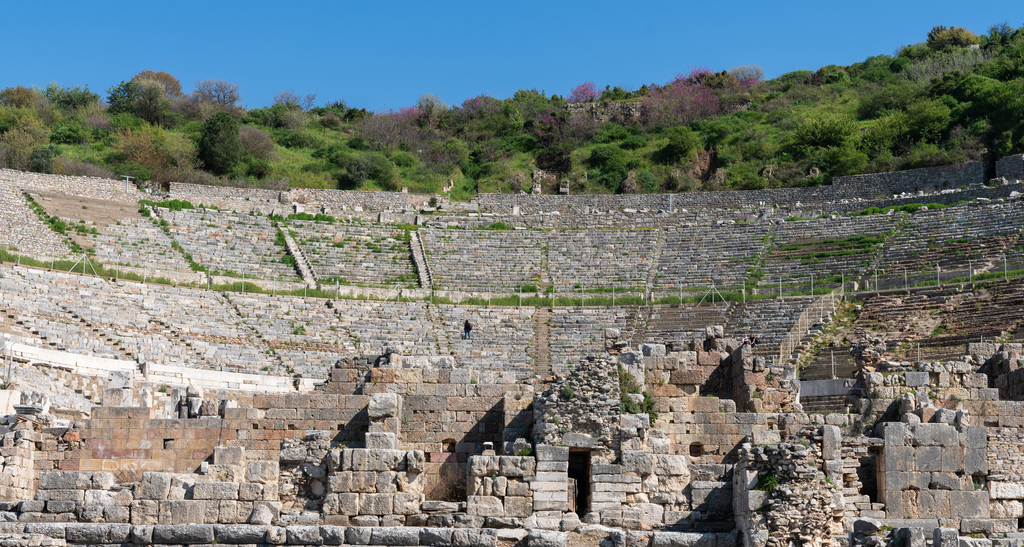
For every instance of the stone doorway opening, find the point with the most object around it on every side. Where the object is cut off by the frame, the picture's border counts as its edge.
(579, 476)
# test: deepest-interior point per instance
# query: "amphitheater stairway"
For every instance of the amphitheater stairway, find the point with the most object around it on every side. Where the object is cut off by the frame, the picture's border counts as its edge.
(419, 259)
(824, 405)
(122, 353)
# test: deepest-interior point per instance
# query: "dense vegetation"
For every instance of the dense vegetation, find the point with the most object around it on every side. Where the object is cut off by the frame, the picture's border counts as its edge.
(956, 97)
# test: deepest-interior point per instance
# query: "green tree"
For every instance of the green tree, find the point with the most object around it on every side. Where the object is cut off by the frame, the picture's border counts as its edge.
(220, 148)
(121, 97)
(940, 37)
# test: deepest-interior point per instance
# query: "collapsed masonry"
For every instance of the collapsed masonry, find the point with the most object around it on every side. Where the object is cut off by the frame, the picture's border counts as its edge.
(701, 442)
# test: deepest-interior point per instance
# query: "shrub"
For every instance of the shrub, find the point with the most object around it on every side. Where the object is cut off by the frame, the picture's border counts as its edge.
(257, 142)
(681, 142)
(940, 37)
(824, 131)
(72, 131)
(83, 169)
(220, 147)
(41, 159)
(132, 169)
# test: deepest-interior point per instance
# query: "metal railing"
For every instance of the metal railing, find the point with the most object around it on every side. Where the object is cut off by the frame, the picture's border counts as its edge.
(814, 313)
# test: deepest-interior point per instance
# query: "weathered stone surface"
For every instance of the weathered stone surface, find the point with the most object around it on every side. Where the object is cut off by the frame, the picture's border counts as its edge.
(546, 538)
(186, 534)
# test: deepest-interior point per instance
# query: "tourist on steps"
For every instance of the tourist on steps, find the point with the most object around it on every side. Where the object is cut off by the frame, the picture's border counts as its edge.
(467, 330)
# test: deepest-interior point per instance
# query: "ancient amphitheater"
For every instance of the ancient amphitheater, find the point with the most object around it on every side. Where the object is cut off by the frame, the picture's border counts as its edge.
(289, 368)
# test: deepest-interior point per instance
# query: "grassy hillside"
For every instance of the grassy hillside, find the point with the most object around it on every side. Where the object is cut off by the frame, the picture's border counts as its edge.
(955, 97)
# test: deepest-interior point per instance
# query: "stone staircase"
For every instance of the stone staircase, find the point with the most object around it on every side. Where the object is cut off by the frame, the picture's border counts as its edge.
(419, 258)
(122, 353)
(301, 262)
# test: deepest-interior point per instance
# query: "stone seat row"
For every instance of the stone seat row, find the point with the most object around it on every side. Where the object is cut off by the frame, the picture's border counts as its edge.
(226, 242)
(356, 255)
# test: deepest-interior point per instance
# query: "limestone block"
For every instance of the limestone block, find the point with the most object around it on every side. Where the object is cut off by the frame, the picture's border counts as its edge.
(107, 497)
(77, 496)
(408, 504)
(262, 471)
(999, 490)
(652, 350)
(385, 405)
(831, 442)
(634, 461)
(215, 491)
(227, 512)
(376, 504)
(187, 534)
(265, 513)
(771, 436)
(333, 535)
(946, 537)
(968, 504)
(376, 460)
(223, 472)
(518, 506)
(484, 506)
(303, 535)
(103, 481)
(378, 441)
(916, 379)
(944, 481)
(395, 536)
(155, 486)
(516, 466)
(61, 480)
(1006, 509)
(239, 534)
(552, 453)
(482, 466)
(546, 538)
(229, 455)
(975, 461)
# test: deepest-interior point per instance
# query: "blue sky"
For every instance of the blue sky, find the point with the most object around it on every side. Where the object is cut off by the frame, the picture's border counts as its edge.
(386, 54)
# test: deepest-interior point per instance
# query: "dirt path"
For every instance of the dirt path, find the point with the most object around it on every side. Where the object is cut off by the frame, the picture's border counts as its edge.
(100, 213)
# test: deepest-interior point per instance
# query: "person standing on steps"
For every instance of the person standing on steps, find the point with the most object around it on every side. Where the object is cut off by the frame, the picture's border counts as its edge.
(467, 330)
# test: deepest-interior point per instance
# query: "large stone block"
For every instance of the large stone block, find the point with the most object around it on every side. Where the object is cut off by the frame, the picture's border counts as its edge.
(385, 405)
(215, 491)
(407, 504)
(381, 441)
(635, 461)
(831, 442)
(484, 506)
(188, 535)
(240, 534)
(395, 536)
(376, 504)
(155, 486)
(303, 535)
(262, 471)
(546, 538)
(552, 453)
(968, 504)
(376, 460)
(229, 455)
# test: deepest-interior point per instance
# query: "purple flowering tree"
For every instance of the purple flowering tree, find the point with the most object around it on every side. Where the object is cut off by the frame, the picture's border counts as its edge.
(584, 93)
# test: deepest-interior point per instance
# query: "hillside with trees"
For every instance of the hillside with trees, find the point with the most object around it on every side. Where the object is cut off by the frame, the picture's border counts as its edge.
(954, 97)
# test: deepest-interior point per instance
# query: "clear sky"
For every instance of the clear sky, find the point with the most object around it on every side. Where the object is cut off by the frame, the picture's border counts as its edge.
(384, 54)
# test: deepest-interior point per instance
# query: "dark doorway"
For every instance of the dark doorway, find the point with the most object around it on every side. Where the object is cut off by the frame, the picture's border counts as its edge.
(579, 470)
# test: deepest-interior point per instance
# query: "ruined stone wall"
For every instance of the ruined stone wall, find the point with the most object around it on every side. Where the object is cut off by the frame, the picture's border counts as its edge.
(929, 179)
(621, 113)
(1011, 168)
(934, 470)
(337, 200)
